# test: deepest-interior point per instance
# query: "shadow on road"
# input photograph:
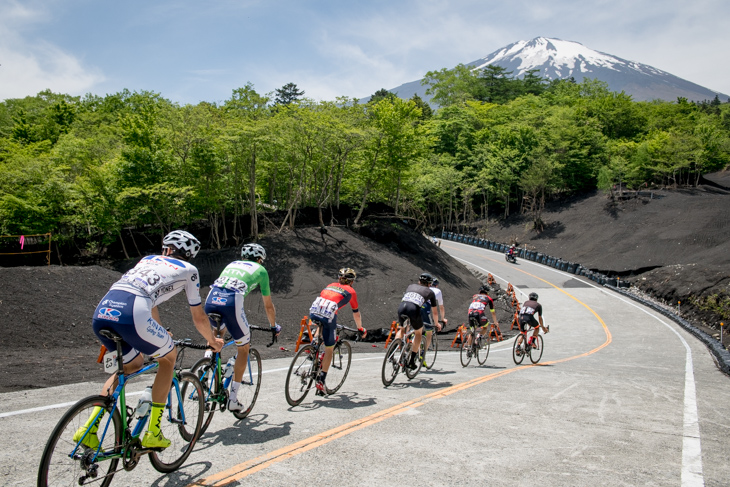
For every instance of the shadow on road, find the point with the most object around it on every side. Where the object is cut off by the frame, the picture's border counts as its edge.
(249, 431)
(184, 475)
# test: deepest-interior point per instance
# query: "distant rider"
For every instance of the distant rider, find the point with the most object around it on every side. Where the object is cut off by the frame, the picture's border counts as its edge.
(414, 298)
(226, 297)
(324, 309)
(480, 302)
(526, 318)
(429, 327)
(130, 309)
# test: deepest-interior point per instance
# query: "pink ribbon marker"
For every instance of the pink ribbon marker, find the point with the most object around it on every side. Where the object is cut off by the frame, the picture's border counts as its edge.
(22, 241)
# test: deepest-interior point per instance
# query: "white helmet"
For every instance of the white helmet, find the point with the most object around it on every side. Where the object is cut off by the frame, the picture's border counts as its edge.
(183, 242)
(253, 251)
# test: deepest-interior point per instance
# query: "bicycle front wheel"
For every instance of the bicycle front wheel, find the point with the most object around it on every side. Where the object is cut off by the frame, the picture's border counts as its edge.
(412, 373)
(248, 391)
(536, 350)
(207, 373)
(466, 350)
(518, 349)
(431, 351)
(483, 349)
(341, 359)
(391, 362)
(66, 461)
(180, 423)
(301, 375)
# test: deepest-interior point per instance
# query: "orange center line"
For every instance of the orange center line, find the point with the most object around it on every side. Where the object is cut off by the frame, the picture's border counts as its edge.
(261, 462)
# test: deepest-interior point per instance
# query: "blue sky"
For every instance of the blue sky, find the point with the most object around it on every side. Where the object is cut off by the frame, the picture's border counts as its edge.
(192, 51)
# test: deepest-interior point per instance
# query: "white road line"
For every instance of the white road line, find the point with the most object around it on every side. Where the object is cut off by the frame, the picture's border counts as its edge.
(692, 475)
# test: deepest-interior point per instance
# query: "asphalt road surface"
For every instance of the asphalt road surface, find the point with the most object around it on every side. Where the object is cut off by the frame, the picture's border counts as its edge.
(622, 396)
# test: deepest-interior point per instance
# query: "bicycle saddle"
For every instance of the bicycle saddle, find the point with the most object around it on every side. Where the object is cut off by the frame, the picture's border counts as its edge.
(110, 334)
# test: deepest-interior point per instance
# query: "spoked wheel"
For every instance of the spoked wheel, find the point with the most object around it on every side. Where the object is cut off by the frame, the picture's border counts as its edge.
(391, 362)
(483, 349)
(340, 366)
(207, 373)
(180, 423)
(248, 391)
(65, 463)
(466, 351)
(518, 349)
(301, 375)
(536, 350)
(411, 373)
(431, 351)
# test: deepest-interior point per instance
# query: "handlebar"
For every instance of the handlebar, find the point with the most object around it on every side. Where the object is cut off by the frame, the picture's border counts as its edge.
(274, 333)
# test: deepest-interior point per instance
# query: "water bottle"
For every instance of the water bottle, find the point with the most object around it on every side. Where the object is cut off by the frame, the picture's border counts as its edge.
(228, 371)
(143, 406)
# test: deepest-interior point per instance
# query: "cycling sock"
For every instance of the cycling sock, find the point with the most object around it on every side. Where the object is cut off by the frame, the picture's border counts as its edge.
(234, 388)
(155, 416)
(322, 376)
(93, 418)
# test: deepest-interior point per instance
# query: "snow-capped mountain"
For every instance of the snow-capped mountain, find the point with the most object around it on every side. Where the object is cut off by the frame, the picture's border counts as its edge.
(556, 58)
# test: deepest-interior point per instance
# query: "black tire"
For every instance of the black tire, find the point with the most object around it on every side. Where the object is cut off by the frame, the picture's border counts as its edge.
(391, 362)
(207, 373)
(57, 467)
(340, 366)
(518, 350)
(248, 391)
(301, 375)
(181, 422)
(483, 345)
(466, 351)
(412, 373)
(536, 350)
(432, 351)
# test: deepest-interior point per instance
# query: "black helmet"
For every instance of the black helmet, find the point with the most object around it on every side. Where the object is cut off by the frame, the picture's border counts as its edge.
(483, 289)
(425, 278)
(346, 275)
(533, 296)
(435, 282)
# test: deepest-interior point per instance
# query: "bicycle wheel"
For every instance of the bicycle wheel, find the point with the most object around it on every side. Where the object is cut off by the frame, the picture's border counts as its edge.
(248, 391)
(536, 350)
(62, 463)
(207, 373)
(431, 352)
(483, 344)
(341, 359)
(518, 349)
(180, 423)
(466, 350)
(411, 373)
(301, 375)
(391, 362)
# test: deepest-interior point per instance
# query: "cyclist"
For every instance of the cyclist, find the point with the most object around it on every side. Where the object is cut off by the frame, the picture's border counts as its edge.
(130, 309)
(226, 297)
(324, 310)
(414, 298)
(477, 309)
(428, 327)
(527, 320)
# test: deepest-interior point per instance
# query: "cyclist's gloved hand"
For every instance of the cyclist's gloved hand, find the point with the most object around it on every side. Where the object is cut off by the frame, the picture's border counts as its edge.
(276, 329)
(363, 331)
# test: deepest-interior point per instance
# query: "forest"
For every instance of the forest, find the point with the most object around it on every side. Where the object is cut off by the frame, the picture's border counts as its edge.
(94, 167)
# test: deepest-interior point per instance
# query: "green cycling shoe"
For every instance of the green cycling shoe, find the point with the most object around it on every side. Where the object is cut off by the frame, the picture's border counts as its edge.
(151, 440)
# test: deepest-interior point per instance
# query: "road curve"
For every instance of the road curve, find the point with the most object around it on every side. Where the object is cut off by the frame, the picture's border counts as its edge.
(622, 397)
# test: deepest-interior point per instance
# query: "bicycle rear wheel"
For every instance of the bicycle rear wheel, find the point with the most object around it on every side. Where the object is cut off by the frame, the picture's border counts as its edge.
(180, 423)
(391, 362)
(431, 351)
(483, 344)
(518, 349)
(536, 350)
(466, 350)
(340, 366)
(248, 391)
(412, 373)
(62, 463)
(207, 372)
(301, 375)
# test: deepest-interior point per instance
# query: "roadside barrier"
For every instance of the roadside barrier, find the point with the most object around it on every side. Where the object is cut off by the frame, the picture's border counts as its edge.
(302, 339)
(393, 329)
(459, 337)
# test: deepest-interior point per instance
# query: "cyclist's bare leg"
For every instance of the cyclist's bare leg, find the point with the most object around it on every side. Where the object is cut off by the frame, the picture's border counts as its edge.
(241, 362)
(327, 360)
(417, 339)
(428, 338)
(129, 368)
(163, 378)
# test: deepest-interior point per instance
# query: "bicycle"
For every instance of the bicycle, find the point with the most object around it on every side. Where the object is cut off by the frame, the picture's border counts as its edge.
(396, 356)
(66, 461)
(523, 347)
(475, 344)
(215, 379)
(429, 355)
(307, 363)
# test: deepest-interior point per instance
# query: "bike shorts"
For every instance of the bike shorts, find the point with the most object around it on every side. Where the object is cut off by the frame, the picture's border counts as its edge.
(229, 305)
(329, 327)
(481, 318)
(528, 324)
(411, 311)
(131, 316)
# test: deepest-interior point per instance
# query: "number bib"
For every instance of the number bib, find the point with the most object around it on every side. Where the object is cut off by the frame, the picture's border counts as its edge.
(324, 308)
(477, 306)
(414, 298)
(231, 283)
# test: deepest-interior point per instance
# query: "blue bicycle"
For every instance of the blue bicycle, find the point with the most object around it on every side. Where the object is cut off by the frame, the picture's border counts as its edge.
(67, 461)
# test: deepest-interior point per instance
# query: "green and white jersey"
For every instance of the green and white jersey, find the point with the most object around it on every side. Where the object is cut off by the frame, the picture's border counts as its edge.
(243, 276)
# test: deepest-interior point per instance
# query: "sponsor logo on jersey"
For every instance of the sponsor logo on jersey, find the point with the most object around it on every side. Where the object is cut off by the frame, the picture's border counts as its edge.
(113, 304)
(219, 300)
(110, 314)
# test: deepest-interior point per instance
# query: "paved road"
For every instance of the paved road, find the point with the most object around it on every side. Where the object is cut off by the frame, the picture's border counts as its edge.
(622, 397)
